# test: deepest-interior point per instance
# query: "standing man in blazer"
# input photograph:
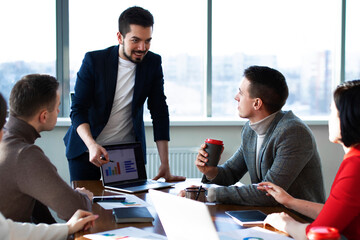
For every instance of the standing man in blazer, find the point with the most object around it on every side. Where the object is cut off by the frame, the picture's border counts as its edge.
(107, 106)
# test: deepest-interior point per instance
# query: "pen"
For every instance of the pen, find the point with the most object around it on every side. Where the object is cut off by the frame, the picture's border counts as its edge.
(103, 158)
(264, 186)
(198, 193)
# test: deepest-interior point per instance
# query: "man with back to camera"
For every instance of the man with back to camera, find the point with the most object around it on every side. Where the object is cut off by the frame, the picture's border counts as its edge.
(30, 182)
(276, 146)
(81, 220)
(107, 107)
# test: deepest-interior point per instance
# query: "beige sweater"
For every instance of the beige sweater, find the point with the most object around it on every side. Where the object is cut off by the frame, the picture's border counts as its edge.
(27, 175)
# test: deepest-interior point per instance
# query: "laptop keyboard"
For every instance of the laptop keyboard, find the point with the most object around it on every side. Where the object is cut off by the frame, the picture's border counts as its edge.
(138, 183)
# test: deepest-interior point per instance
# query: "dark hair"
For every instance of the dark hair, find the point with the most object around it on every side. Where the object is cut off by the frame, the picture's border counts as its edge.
(31, 93)
(134, 15)
(3, 108)
(347, 102)
(269, 85)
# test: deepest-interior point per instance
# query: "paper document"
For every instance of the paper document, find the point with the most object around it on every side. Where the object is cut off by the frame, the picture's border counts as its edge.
(252, 233)
(128, 233)
(130, 201)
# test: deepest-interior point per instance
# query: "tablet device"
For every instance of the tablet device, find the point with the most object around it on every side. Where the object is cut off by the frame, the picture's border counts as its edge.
(248, 218)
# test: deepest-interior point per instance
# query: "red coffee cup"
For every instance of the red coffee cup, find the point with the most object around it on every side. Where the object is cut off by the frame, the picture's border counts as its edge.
(213, 148)
(323, 233)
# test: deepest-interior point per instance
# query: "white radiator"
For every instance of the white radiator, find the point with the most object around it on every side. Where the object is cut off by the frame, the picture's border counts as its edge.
(181, 160)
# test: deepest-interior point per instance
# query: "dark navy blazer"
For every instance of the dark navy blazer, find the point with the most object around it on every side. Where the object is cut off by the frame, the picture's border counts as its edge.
(94, 94)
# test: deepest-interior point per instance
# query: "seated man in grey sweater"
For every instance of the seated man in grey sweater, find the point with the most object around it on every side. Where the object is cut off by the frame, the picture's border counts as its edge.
(30, 182)
(276, 146)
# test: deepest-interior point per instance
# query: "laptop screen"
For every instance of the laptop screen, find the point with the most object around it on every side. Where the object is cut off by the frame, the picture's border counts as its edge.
(127, 164)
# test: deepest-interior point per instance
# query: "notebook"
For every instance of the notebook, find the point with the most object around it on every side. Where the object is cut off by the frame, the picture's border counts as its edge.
(183, 218)
(127, 171)
(132, 214)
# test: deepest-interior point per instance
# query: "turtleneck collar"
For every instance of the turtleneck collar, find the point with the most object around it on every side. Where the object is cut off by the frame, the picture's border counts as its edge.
(262, 126)
(18, 126)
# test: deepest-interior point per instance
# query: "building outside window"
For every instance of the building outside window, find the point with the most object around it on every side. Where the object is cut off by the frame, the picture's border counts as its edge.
(352, 59)
(176, 37)
(299, 38)
(28, 42)
(289, 36)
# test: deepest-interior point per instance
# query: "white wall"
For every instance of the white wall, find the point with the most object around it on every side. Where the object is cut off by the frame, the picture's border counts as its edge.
(193, 136)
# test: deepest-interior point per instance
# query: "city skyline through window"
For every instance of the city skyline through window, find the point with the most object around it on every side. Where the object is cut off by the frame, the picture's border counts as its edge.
(300, 41)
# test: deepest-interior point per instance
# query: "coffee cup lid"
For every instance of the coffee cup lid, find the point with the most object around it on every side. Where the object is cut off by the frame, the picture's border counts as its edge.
(323, 233)
(214, 141)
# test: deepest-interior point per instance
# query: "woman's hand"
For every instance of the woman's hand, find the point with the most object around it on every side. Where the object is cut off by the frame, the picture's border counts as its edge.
(279, 194)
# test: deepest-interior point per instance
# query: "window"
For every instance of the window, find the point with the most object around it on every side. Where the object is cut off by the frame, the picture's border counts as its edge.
(352, 60)
(301, 38)
(27, 40)
(176, 37)
(286, 35)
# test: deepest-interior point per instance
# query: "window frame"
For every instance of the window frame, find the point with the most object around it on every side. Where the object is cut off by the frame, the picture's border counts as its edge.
(63, 71)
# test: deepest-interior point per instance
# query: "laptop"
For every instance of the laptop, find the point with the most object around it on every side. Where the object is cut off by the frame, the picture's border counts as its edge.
(126, 170)
(183, 218)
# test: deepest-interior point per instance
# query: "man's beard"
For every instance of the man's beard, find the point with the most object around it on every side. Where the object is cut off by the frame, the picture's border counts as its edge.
(136, 60)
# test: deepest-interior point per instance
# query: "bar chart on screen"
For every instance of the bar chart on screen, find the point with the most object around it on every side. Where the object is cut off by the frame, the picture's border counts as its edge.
(129, 166)
(122, 165)
(113, 170)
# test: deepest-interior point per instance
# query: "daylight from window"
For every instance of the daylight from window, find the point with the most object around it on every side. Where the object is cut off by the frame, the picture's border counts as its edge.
(179, 36)
(27, 40)
(299, 38)
(292, 39)
(352, 68)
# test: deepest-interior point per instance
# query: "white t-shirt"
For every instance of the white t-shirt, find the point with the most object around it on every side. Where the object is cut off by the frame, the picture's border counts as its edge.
(119, 128)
